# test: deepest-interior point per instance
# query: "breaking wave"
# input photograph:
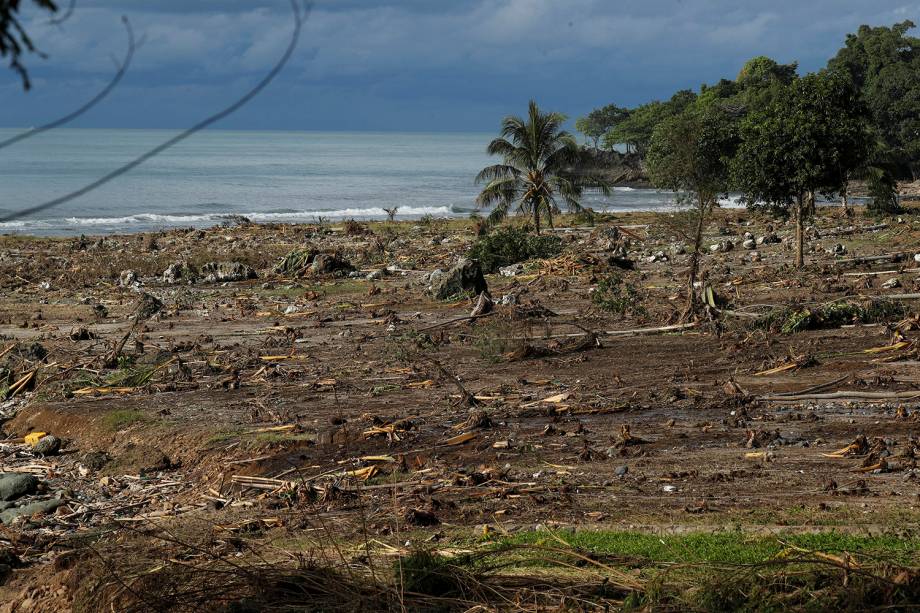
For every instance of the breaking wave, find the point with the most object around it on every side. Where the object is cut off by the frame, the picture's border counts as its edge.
(152, 220)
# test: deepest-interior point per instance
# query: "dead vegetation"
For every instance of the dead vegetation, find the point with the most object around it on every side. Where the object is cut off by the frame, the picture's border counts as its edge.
(271, 442)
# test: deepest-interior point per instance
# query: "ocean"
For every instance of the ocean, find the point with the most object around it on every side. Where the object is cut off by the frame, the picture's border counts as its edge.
(265, 176)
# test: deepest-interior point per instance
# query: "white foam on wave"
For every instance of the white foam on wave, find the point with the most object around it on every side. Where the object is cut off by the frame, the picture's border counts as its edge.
(153, 219)
(411, 211)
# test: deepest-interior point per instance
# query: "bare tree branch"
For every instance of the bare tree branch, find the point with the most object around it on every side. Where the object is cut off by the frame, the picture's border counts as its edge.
(56, 21)
(122, 69)
(300, 15)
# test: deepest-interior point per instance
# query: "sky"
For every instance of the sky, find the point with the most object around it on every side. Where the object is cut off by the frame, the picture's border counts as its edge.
(411, 65)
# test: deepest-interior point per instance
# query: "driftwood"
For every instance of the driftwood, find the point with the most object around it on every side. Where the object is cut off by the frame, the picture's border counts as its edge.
(583, 342)
(841, 395)
(894, 257)
(880, 272)
(848, 231)
(814, 388)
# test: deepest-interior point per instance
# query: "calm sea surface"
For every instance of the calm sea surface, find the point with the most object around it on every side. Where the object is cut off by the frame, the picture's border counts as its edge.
(265, 176)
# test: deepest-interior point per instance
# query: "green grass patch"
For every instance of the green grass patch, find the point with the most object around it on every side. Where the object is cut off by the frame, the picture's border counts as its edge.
(123, 418)
(724, 547)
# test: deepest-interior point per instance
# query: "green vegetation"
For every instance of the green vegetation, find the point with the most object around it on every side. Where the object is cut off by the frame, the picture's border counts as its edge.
(832, 315)
(616, 295)
(883, 64)
(807, 140)
(424, 572)
(122, 418)
(510, 245)
(636, 130)
(598, 122)
(864, 111)
(691, 154)
(295, 261)
(537, 156)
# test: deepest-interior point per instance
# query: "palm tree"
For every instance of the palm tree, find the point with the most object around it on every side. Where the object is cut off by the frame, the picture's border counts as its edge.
(538, 160)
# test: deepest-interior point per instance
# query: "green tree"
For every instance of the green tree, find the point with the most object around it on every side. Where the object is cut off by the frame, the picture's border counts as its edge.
(600, 121)
(691, 154)
(635, 131)
(538, 157)
(883, 63)
(804, 141)
(14, 40)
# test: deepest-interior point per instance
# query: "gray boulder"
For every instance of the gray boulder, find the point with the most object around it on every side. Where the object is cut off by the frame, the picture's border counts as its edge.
(28, 510)
(330, 263)
(16, 485)
(464, 276)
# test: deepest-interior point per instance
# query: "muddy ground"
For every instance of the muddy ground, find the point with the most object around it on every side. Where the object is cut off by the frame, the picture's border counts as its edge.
(342, 394)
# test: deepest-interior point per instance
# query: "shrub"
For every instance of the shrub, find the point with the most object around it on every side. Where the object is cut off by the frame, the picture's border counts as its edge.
(832, 315)
(509, 245)
(883, 195)
(615, 295)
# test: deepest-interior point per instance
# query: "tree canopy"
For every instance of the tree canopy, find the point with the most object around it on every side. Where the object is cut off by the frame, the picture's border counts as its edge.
(636, 129)
(883, 63)
(691, 153)
(600, 121)
(804, 141)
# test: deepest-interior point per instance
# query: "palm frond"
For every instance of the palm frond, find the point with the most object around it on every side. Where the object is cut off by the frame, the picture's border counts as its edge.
(496, 171)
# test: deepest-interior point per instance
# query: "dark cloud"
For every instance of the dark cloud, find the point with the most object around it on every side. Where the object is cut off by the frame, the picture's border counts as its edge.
(418, 64)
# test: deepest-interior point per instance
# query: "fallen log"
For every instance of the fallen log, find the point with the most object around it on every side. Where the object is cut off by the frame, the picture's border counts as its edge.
(839, 395)
(894, 257)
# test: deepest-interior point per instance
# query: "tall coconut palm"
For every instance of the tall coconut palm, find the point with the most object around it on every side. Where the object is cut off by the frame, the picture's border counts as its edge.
(537, 170)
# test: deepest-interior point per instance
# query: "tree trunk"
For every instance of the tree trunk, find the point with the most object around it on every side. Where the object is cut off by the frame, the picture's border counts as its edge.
(800, 232)
(845, 196)
(692, 302)
(536, 219)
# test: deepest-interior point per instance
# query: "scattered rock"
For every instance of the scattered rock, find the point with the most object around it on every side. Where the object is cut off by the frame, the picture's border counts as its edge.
(47, 445)
(177, 272)
(330, 263)
(749, 243)
(96, 460)
(81, 334)
(128, 278)
(148, 305)
(227, 272)
(891, 283)
(45, 506)
(511, 271)
(464, 276)
(16, 485)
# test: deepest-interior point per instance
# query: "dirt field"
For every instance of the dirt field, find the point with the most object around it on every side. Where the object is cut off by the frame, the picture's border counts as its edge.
(307, 411)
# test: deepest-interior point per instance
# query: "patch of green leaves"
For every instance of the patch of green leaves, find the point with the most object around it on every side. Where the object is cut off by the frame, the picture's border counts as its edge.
(616, 295)
(509, 245)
